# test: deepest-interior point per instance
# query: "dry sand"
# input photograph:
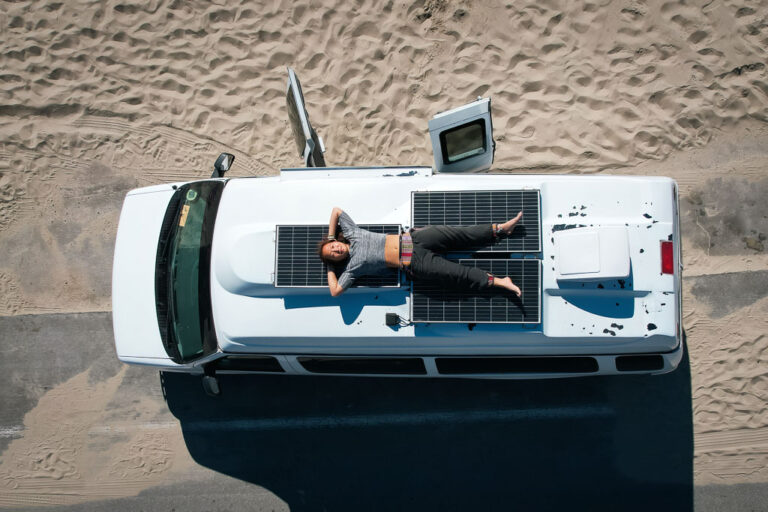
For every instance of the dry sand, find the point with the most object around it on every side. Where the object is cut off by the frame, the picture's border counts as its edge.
(62, 460)
(102, 96)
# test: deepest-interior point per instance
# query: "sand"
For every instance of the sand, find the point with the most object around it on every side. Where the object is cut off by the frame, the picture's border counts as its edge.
(61, 459)
(99, 97)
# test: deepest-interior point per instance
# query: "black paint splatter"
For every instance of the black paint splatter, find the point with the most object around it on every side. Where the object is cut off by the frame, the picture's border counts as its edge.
(561, 227)
(646, 216)
(617, 326)
(608, 331)
(651, 327)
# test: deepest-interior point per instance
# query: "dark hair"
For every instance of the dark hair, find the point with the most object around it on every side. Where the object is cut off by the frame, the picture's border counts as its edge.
(325, 241)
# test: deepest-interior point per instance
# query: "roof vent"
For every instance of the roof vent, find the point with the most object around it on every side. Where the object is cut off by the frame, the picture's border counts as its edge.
(592, 253)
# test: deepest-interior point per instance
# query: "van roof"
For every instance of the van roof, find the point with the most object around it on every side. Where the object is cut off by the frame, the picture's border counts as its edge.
(253, 316)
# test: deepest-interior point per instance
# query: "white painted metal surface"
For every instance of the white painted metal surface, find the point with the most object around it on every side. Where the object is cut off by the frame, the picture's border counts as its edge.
(134, 315)
(305, 320)
(638, 316)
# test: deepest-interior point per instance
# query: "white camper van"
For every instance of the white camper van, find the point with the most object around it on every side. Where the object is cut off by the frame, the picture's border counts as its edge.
(221, 275)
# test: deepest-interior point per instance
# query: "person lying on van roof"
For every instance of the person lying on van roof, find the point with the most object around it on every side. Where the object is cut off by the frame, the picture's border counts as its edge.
(372, 253)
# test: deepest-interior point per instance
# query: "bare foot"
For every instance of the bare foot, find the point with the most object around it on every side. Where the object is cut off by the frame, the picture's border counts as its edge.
(509, 226)
(506, 282)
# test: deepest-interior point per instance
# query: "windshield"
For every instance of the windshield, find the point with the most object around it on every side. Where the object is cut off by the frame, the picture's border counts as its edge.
(182, 276)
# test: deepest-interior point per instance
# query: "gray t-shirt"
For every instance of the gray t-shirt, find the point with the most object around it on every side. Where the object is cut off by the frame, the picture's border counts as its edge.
(366, 252)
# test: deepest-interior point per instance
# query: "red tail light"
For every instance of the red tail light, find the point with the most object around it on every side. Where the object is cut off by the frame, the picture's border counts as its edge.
(667, 258)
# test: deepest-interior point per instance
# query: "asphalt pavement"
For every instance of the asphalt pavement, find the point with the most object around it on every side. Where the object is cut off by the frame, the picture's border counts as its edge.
(325, 443)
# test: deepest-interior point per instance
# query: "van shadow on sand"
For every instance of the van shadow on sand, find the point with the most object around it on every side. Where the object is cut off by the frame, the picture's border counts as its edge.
(327, 443)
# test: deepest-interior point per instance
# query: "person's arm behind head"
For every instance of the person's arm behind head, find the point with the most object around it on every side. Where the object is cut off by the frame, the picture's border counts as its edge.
(348, 226)
(335, 214)
(333, 284)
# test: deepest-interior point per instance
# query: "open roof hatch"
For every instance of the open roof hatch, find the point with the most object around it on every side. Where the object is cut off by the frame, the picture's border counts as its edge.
(310, 145)
(462, 138)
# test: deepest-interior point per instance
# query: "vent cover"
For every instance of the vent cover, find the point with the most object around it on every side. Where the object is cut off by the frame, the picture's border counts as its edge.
(467, 208)
(430, 302)
(297, 263)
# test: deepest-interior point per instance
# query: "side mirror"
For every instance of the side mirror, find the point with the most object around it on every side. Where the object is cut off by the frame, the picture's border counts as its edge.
(211, 385)
(210, 381)
(222, 165)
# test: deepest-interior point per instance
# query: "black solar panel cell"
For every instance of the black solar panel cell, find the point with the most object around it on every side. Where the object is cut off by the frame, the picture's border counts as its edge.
(297, 263)
(466, 208)
(430, 302)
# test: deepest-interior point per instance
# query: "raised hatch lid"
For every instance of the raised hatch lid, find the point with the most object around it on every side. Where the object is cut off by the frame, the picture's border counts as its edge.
(309, 144)
(462, 138)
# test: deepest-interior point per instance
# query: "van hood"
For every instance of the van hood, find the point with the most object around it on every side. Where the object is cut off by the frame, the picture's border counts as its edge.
(134, 316)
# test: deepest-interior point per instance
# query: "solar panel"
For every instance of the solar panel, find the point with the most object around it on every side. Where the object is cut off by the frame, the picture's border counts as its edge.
(297, 263)
(430, 302)
(467, 208)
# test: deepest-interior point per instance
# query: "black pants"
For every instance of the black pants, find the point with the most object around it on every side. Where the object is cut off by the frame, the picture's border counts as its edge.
(427, 264)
